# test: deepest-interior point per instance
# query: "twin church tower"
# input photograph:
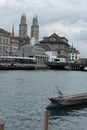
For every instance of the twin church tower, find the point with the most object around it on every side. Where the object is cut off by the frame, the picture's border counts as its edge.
(23, 29)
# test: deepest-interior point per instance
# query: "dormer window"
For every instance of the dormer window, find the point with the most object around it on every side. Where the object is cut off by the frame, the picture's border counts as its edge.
(53, 39)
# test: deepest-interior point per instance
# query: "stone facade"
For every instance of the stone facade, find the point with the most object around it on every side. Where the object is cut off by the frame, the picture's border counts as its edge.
(23, 37)
(23, 27)
(4, 42)
(56, 43)
(15, 45)
(35, 30)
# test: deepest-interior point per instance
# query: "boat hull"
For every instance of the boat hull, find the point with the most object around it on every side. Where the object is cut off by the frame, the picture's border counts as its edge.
(67, 101)
(57, 66)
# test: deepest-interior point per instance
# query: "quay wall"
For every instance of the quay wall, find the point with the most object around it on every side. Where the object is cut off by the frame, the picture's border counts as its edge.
(67, 66)
(17, 67)
(22, 67)
(45, 66)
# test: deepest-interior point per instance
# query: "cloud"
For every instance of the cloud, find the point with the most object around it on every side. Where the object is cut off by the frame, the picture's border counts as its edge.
(82, 36)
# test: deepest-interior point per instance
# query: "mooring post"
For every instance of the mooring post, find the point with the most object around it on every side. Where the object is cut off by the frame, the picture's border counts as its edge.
(46, 121)
(1, 126)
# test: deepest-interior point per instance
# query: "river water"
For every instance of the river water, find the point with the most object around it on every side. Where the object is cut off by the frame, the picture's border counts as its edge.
(24, 97)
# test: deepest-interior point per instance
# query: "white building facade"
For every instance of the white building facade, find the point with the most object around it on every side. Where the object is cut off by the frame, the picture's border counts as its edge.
(51, 55)
(73, 54)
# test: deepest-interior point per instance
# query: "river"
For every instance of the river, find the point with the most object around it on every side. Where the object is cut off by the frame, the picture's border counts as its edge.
(24, 97)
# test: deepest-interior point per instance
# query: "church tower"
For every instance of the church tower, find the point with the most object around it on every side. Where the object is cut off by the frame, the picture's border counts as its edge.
(23, 27)
(35, 30)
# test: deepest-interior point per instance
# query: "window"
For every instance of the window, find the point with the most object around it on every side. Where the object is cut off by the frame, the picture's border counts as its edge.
(58, 52)
(58, 46)
(0, 40)
(72, 57)
(53, 39)
(3, 49)
(76, 56)
(0, 49)
(3, 40)
(6, 41)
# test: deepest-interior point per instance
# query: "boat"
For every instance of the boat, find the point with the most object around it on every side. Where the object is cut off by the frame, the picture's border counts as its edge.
(67, 101)
(17, 63)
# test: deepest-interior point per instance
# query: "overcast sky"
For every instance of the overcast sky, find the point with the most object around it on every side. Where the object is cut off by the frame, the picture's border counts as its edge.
(67, 18)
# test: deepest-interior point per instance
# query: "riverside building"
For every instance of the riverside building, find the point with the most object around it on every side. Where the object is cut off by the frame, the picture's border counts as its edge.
(73, 54)
(56, 44)
(4, 42)
(34, 51)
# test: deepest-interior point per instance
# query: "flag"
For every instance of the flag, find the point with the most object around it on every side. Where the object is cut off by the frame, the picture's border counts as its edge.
(7, 50)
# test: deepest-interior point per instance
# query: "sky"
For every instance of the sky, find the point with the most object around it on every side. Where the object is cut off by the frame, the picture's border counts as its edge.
(67, 18)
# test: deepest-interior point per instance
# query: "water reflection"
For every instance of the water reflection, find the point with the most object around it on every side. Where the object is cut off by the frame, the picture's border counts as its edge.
(69, 111)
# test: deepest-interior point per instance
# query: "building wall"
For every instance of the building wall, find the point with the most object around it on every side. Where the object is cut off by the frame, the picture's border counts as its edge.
(4, 43)
(51, 55)
(58, 44)
(33, 51)
(73, 54)
(15, 45)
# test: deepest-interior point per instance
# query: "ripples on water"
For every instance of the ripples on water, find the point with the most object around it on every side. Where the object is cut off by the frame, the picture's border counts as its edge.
(24, 96)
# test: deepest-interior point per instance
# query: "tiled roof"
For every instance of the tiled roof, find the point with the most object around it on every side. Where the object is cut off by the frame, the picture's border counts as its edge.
(4, 31)
(47, 47)
(53, 38)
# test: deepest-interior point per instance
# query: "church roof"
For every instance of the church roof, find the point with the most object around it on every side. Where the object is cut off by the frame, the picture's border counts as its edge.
(54, 38)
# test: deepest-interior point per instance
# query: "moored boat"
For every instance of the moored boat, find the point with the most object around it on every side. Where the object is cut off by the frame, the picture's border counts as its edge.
(67, 101)
(17, 63)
